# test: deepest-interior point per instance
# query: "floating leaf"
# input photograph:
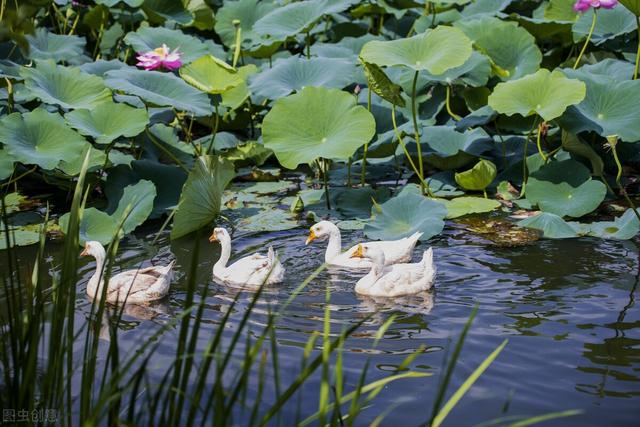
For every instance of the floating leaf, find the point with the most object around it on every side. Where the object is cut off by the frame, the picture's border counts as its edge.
(509, 46)
(162, 89)
(247, 12)
(19, 235)
(552, 226)
(314, 123)
(109, 121)
(623, 228)
(565, 189)
(45, 45)
(610, 24)
(293, 74)
(67, 87)
(435, 51)
(406, 214)
(268, 220)
(479, 177)
(211, 75)
(545, 93)
(200, 199)
(461, 206)
(40, 138)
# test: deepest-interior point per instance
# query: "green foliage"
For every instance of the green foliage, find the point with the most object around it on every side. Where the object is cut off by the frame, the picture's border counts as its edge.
(479, 177)
(108, 121)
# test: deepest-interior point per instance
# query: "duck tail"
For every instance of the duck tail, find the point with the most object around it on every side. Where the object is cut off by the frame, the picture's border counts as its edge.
(271, 255)
(415, 237)
(427, 260)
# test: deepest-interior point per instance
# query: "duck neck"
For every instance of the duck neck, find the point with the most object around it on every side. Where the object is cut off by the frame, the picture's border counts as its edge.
(334, 247)
(94, 288)
(225, 253)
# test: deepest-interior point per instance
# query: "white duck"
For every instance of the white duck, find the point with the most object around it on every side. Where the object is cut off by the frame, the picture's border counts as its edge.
(395, 251)
(252, 271)
(394, 280)
(131, 286)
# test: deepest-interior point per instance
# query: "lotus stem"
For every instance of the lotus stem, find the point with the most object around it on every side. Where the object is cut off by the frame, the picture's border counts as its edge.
(363, 172)
(453, 115)
(414, 113)
(215, 128)
(544, 157)
(238, 46)
(635, 71)
(613, 142)
(586, 42)
(2, 6)
(75, 23)
(324, 169)
(308, 45)
(524, 160)
(400, 140)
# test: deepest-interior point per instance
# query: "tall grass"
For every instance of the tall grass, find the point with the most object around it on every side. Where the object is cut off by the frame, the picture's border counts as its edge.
(41, 369)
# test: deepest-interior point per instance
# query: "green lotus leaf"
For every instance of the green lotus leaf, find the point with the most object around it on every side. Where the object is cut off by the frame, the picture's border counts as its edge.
(296, 17)
(40, 138)
(268, 220)
(474, 72)
(314, 123)
(572, 144)
(44, 45)
(624, 227)
(133, 209)
(293, 74)
(109, 121)
(101, 67)
(73, 166)
(484, 7)
(608, 69)
(161, 10)
(565, 189)
(545, 93)
(200, 199)
(67, 87)
(610, 24)
(608, 109)
(248, 12)
(161, 89)
(479, 177)
(461, 206)
(6, 164)
(509, 46)
(435, 51)
(405, 214)
(445, 141)
(150, 38)
(211, 75)
(24, 235)
(382, 85)
(632, 5)
(551, 225)
(235, 97)
(347, 48)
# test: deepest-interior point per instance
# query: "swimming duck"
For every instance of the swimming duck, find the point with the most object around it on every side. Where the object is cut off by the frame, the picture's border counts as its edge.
(395, 251)
(252, 271)
(394, 280)
(131, 286)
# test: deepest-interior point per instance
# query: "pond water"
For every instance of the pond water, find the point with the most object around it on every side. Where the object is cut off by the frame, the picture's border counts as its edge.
(566, 307)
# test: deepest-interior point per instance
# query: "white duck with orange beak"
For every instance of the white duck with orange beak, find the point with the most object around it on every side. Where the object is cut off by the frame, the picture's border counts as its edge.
(131, 286)
(251, 271)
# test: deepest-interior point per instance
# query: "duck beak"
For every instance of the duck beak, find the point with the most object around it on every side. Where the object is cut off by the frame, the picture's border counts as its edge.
(85, 251)
(213, 238)
(311, 238)
(358, 253)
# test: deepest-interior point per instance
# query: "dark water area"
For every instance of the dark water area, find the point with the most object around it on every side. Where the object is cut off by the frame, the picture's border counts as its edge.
(566, 307)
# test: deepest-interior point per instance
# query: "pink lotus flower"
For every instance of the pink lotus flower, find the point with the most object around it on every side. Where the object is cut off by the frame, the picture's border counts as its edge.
(584, 5)
(160, 57)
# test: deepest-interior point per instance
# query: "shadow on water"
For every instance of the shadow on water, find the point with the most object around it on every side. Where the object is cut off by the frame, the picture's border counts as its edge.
(567, 307)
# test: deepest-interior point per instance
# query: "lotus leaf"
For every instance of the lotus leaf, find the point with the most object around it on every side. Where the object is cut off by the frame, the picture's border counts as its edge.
(40, 138)
(109, 121)
(479, 177)
(293, 74)
(314, 123)
(435, 51)
(247, 12)
(382, 85)
(72, 166)
(160, 10)
(67, 87)
(45, 45)
(268, 220)
(162, 89)
(461, 206)
(211, 75)
(545, 93)
(632, 5)
(101, 67)
(565, 189)
(611, 23)
(19, 235)
(235, 97)
(405, 214)
(509, 46)
(6, 164)
(552, 226)
(201, 195)
(624, 227)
